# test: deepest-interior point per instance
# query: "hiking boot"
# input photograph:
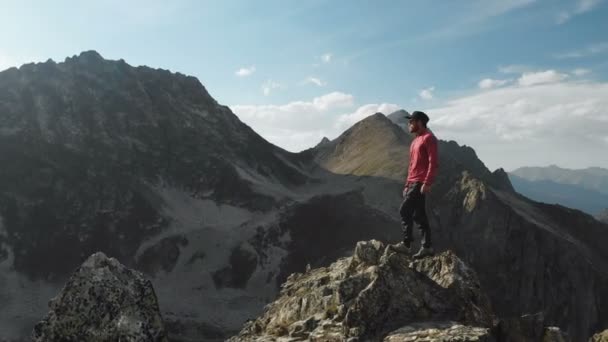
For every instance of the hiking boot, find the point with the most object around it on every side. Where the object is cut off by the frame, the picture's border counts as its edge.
(424, 252)
(401, 247)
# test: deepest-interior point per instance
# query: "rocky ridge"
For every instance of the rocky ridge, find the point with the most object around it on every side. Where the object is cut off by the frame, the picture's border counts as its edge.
(380, 295)
(370, 294)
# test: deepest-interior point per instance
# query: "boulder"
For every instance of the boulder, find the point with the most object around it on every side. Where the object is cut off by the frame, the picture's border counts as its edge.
(103, 301)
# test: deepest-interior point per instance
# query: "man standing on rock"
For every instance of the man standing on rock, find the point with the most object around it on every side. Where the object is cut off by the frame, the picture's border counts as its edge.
(421, 173)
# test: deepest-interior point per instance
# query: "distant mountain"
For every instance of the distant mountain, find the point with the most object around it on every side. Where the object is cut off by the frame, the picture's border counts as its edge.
(583, 189)
(603, 216)
(573, 196)
(591, 178)
(144, 165)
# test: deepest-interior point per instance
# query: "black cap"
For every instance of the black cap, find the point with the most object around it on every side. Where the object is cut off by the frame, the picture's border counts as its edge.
(417, 115)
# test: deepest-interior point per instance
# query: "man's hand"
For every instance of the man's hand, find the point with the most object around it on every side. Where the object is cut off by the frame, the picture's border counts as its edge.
(426, 188)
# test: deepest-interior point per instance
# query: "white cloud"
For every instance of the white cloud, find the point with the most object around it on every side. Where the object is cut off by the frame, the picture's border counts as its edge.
(301, 124)
(326, 58)
(347, 120)
(297, 114)
(246, 71)
(540, 77)
(489, 83)
(581, 72)
(269, 86)
(427, 94)
(582, 6)
(564, 123)
(589, 50)
(314, 80)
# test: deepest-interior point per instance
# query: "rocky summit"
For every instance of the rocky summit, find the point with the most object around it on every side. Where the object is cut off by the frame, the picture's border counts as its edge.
(103, 301)
(376, 294)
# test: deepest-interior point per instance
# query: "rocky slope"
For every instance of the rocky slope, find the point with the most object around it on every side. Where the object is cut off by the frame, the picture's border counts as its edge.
(379, 295)
(137, 162)
(103, 301)
(144, 165)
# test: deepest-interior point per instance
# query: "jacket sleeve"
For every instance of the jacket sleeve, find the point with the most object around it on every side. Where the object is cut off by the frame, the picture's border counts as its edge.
(431, 148)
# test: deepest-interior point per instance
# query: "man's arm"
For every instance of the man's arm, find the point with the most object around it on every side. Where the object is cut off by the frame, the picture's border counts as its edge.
(431, 148)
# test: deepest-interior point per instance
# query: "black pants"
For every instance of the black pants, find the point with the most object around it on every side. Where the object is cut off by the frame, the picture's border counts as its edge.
(413, 209)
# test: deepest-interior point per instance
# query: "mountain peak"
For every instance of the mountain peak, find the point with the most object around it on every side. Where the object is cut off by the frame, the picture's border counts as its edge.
(90, 55)
(400, 112)
(365, 148)
(374, 119)
(398, 116)
(323, 141)
(87, 58)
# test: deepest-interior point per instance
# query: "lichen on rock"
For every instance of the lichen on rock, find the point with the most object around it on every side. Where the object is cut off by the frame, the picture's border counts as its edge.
(103, 301)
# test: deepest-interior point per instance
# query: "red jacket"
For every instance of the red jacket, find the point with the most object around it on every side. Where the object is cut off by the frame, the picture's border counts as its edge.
(423, 159)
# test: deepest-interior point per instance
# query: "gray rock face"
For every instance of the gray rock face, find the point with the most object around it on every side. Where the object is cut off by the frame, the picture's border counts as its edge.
(374, 292)
(103, 301)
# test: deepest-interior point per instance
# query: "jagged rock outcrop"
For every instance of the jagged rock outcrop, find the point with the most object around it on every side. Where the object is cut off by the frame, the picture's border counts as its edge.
(103, 301)
(377, 293)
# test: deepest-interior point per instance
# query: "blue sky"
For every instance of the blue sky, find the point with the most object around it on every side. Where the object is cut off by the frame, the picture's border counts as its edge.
(300, 70)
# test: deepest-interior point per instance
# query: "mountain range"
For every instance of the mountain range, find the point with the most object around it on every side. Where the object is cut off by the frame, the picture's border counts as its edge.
(583, 189)
(591, 178)
(145, 166)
